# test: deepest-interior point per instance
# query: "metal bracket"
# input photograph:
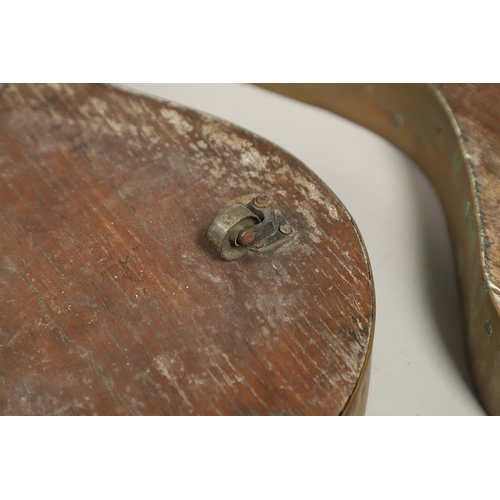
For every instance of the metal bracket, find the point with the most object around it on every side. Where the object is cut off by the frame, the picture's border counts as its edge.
(259, 226)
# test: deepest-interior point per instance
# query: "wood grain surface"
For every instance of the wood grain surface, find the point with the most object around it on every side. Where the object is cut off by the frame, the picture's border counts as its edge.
(114, 302)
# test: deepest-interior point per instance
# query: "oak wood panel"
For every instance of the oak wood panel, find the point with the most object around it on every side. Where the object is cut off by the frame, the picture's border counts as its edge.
(114, 302)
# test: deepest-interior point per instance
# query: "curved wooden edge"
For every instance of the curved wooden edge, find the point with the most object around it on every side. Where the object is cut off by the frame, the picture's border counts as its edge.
(356, 405)
(453, 140)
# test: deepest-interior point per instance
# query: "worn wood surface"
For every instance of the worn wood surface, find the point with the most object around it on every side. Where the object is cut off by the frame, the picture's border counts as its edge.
(114, 302)
(452, 131)
(476, 109)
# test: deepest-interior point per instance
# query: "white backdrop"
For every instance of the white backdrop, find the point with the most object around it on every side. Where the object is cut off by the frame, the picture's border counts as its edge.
(419, 365)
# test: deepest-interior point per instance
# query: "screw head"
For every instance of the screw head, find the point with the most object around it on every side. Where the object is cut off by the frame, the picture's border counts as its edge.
(261, 201)
(285, 229)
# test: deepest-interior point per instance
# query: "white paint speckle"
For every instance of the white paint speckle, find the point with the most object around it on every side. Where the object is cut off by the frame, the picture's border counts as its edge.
(181, 126)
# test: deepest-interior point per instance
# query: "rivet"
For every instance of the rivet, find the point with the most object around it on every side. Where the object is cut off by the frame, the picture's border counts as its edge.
(285, 229)
(258, 244)
(261, 201)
